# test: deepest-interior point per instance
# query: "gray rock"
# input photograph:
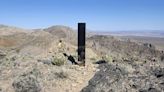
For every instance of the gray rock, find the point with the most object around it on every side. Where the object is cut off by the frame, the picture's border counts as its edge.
(48, 62)
(106, 79)
(159, 72)
(149, 90)
(113, 78)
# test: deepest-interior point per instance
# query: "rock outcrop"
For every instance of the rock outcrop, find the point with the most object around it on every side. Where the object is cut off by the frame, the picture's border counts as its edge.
(116, 78)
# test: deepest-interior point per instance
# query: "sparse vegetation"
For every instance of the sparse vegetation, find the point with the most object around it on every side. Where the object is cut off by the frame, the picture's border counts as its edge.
(117, 60)
(108, 58)
(17, 50)
(61, 75)
(58, 61)
(26, 83)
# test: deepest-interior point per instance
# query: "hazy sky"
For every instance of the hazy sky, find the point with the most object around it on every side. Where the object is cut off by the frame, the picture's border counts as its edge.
(98, 14)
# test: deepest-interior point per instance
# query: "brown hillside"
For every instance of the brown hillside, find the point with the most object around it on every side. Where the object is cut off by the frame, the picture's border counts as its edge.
(9, 30)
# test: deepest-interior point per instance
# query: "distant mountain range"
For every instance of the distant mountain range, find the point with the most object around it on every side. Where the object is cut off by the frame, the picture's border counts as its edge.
(147, 33)
(6, 30)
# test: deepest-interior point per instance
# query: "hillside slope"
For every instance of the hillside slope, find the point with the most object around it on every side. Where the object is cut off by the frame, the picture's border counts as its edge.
(9, 30)
(33, 61)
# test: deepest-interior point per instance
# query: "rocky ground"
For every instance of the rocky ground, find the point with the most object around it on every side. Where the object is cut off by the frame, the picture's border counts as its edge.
(32, 62)
(128, 77)
(29, 75)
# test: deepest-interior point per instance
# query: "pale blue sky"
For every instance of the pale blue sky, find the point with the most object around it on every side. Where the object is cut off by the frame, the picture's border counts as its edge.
(98, 14)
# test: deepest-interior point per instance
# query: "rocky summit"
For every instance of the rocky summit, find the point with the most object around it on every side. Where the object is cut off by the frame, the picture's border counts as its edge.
(37, 60)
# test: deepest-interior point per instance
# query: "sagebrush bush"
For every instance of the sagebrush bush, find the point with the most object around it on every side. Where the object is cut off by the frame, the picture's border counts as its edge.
(61, 75)
(17, 50)
(58, 61)
(108, 58)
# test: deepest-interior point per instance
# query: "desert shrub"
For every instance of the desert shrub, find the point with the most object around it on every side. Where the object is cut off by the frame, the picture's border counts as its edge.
(26, 83)
(108, 58)
(58, 61)
(13, 58)
(61, 75)
(17, 50)
(2, 56)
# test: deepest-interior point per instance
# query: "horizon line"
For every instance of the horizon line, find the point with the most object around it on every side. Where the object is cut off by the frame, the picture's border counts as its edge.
(88, 29)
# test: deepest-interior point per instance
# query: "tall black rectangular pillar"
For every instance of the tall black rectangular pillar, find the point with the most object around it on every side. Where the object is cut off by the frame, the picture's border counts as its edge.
(81, 43)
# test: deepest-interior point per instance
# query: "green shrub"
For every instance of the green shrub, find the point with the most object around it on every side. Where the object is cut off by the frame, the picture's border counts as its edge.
(58, 61)
(108, 58)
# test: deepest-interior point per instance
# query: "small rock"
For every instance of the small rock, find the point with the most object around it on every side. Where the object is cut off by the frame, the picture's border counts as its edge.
(48, 62)
(80, 81)
(74, 84)
(159, 72)
(149, 90)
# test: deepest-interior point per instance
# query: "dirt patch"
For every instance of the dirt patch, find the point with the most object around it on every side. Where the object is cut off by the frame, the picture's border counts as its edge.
(7, 42)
